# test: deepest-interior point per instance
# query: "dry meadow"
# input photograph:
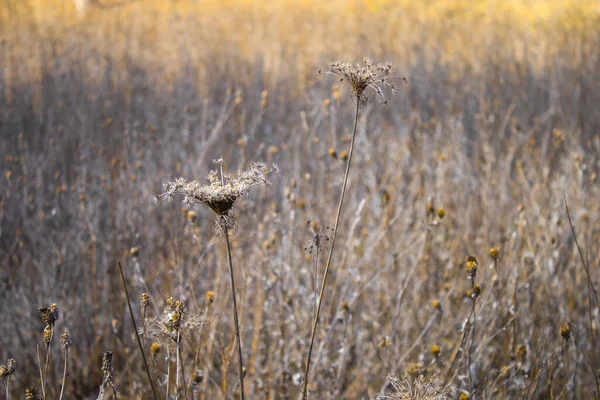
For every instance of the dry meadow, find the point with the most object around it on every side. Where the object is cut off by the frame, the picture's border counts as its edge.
(456, 273)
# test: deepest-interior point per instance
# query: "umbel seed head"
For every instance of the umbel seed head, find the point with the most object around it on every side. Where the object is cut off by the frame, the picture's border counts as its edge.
(222, 190)
(362, 76)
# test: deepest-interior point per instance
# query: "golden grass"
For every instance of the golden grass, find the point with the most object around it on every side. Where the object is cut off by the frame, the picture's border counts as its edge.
(169, 36)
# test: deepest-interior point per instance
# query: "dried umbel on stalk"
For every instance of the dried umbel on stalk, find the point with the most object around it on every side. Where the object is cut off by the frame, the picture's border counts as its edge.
(362, 76)
(222, 190)
(175, 321)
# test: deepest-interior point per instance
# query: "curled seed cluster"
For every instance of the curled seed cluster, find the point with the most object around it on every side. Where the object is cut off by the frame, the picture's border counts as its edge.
(362, 76)
(221, 192)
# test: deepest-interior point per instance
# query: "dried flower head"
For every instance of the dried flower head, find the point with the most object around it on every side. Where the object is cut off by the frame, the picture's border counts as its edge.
(210, 296)
(362, 76)
(435, 351)
(65, 340)
(472, 266)
(421, 388)
(495, 253)
(441, 213)
(565, 332)
(318, 237)
(6, 370)
(107, 365)
(436, 305)
(47, 335)
(197, 377)
(174, 322)
(155, 349)
(49, 314)
(145, 299)
(222, 190)
(134, 251)
(31, 393)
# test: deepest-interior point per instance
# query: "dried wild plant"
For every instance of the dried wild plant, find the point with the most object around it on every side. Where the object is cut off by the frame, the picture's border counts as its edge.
(220, 195)
(362, 76)
(420, 388)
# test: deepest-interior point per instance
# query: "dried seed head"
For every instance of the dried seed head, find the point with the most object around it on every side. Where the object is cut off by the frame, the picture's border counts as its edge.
(107, 365)
(192, 216)
(197, 377)
(65, 340)
(49, 314)
(441, 213)
(155, 349)
(31, 393)
(436, 304)
(472, 266)
(210, 296)
(362, 76)
(47, 336)
(495, 253)
(522, 351)
(4, 372)
(134, 251)
(145, 300)
(565, 332)
(435, 351)
(221, 192)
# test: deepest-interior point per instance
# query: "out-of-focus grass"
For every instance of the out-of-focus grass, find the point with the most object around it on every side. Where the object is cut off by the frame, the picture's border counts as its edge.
(498, 122)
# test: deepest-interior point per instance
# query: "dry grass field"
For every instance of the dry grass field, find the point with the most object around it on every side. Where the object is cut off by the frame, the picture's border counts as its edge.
(493, 127)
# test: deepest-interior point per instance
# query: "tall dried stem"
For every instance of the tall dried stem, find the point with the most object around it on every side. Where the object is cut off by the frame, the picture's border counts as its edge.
(328, 265)
(235, 311)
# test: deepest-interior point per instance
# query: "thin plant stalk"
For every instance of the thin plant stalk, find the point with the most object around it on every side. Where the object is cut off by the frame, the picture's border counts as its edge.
(235, 312)
(470, 351)
(177, 368)
(327, 266)
(591, 290)
(168, 370)
(315, 279)
(48, 352)
(137, 335)
(6, 384)
(41, 373)
(182, 367)
(64, 377)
